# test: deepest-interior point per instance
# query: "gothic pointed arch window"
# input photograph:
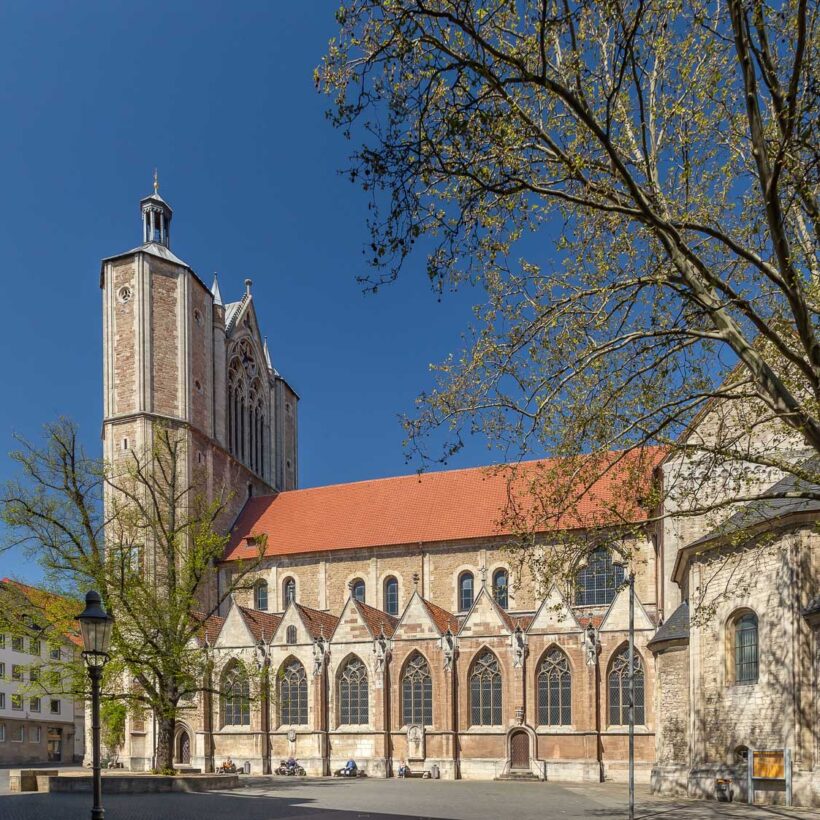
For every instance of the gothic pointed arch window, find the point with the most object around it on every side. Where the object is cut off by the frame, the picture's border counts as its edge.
(501, 587)
(485, 691)
(290, 635)
(599, 580)
(465, 591)
(618, 680)
(235, 696)
(417, 692)
(293, 694)
(246, 408)
(391, 595)
(353, 693)
(554, 689)
(260, 595)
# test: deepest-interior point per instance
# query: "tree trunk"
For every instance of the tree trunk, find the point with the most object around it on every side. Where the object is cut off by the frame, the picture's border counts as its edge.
(166, 727)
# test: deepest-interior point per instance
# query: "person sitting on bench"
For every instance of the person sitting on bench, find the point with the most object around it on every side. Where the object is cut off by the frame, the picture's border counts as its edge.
(404, 769)
(350, 769)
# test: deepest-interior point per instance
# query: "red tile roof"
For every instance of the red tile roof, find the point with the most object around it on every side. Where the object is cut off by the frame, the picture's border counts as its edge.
(443, 619)
(437, 506)
(319, 624)
(211, 627)
(376, 620)
(59, 611)
(261, 624)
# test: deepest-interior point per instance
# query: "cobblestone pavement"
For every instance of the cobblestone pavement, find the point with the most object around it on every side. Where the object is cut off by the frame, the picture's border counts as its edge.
(268, 798)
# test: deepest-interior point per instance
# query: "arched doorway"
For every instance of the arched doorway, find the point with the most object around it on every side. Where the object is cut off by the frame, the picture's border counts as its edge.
(183, 747)
(520, 750)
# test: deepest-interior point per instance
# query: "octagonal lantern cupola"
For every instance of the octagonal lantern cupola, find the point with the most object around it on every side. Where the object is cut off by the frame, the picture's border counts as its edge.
(156, 218)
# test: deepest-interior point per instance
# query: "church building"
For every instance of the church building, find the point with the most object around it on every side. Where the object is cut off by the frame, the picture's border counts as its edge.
(392, 615)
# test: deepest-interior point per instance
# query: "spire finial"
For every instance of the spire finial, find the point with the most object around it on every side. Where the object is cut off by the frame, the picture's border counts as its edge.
(416, 581)
(156, 181)
(215, 291)
(248, 283)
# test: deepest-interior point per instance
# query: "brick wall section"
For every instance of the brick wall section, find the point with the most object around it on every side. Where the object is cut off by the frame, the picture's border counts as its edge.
(123, 339)
(164, 338)
(201, 331)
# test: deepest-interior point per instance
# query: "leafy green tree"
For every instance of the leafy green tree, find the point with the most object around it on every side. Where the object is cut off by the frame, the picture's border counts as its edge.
(148, 541)
(668, 151)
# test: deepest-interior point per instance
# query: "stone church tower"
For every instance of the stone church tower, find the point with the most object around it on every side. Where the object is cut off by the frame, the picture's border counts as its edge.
(173, 351)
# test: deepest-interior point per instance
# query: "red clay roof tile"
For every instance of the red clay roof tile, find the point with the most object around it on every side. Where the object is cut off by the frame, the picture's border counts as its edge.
(430, 507)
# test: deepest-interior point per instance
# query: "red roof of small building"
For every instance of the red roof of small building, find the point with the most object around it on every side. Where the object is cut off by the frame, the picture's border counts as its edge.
(430, 507)
(59, 610)
(261, 624)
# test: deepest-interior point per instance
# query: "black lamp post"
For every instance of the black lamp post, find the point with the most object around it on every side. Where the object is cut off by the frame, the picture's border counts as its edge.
(95, 625)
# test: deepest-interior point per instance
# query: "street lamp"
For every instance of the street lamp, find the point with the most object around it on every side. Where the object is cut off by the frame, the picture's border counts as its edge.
(95, 625)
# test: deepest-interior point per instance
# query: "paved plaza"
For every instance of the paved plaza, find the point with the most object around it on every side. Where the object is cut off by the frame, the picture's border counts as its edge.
(268, 798)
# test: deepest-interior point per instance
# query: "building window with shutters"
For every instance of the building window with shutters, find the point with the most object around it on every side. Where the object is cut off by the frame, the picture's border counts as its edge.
(619, 689)
(417, 692)
(293, 695)
(554, 689)
(485, 691)
(353, 693)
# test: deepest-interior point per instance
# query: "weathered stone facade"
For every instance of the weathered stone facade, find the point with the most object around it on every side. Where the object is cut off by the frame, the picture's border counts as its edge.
(173, 351)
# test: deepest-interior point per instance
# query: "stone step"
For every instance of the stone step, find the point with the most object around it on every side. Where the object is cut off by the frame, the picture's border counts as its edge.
(518, 775)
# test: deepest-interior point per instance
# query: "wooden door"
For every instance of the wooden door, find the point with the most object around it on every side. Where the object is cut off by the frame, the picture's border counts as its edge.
(520, 750)
(184, 748)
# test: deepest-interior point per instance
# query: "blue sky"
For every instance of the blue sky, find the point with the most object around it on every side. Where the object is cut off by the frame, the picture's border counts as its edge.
(220, 97)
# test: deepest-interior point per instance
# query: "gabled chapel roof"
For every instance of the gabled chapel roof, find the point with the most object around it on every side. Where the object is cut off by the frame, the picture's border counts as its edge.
(318, 623)
(452, 505)
(261, 624)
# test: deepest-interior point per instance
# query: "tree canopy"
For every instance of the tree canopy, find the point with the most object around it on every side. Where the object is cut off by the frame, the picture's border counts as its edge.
(635, 186)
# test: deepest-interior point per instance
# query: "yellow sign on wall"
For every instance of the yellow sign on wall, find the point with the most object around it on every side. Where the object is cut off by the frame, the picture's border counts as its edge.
(769, 765)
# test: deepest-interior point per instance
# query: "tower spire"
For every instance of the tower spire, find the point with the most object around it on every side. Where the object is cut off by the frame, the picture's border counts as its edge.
(215, 291)
(156, 217)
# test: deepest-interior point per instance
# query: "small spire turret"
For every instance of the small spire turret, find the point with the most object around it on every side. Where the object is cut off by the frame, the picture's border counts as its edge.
(156, 217)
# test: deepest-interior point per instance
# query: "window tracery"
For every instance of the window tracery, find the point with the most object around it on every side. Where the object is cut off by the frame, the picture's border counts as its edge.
(619, 689)
(353, 693)
(293, 696)
(417, 692)
(485, 691)
(554, 689)
(246, 409)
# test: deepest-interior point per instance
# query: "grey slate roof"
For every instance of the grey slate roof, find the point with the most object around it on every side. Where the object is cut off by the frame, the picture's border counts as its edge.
(758, 512)
(155, 249)
(675, 629)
